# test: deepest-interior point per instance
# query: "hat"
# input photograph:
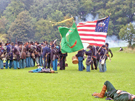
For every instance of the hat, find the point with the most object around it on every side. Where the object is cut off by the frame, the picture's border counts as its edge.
(52, 46)
(41, 43)
(107, 44)
(103, 46)
(89, 47)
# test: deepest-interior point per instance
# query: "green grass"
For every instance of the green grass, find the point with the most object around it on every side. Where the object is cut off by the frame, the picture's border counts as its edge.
(68, 85)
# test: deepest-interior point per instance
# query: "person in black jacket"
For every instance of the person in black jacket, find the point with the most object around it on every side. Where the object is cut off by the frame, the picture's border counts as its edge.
(46, 56)
(62, 59)
(80, 55)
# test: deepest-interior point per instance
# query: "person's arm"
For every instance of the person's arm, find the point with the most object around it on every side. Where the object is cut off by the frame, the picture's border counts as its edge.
(44, 52)
(110, 53)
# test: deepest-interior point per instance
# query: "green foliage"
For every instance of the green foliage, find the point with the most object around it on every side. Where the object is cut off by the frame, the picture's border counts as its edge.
(3, 5)
(128, 33)
(3, 25)
(68, 85)
(22, 27)
(13, 9)
(122, 13)
(44, 30)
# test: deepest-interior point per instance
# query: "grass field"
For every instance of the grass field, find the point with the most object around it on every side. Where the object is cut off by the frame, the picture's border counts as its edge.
(68, 85)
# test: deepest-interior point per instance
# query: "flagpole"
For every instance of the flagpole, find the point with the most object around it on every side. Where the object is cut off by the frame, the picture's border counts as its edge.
(62, 21)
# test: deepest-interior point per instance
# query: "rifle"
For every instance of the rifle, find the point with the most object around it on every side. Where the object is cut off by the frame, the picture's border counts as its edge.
(16, 40)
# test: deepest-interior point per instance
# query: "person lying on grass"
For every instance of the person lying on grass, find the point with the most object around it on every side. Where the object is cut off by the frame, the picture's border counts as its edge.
(113, 94)
(42, 70)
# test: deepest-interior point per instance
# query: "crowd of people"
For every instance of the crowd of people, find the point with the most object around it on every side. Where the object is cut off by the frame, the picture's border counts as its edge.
(96, 56)
(30, 54)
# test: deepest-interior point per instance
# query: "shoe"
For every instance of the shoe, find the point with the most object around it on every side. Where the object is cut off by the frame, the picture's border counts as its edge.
(30, 71)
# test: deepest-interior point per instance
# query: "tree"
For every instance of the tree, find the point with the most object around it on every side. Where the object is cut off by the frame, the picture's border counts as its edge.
(3, 25)
(13, 9)
(43, 30)
(128, 33)
(22, 27)
(3, 5)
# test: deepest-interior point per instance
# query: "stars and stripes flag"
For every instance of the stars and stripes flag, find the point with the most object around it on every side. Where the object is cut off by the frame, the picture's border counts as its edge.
(94, 32)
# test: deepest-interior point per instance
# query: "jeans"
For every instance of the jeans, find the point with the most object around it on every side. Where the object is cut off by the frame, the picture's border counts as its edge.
(31, 62)
(80, 59)
(88, 68)
(102, 67)
(28, 61)
(40, 61)
(22, 63)
(55, 64)
(1, 64)
(16, 64)
(37, 60)
(10, 64)
(44, 64)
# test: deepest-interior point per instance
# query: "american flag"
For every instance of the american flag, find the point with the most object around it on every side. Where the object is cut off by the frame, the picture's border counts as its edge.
(94, 32)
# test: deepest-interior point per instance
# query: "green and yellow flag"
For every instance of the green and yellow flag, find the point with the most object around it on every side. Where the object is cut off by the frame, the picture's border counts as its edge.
(70, 41)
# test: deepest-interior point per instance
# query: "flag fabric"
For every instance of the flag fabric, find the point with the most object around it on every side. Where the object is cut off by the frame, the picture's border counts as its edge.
(94, 32)
(70, 41)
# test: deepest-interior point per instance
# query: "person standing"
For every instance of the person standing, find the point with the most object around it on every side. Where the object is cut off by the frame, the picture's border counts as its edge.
(54, 57)
(62, 59)
(1, 56)
(89, 60)
(32, 54)
(108, 51)
(37, 52)
(80, 55)
(102, 61)
(94, 58)
(16, 56)
(22, 56)
(9, 56)
(28, 58)
(46, 56)
(40, 58)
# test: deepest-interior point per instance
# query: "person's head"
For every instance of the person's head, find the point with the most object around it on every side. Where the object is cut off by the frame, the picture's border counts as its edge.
(16, 44)
(12, 44)
(52, 46)
(103, 46)
(133, 98)
(89, 47)
(8, 42)
(52, 71)
(51, 42)
(106, 44)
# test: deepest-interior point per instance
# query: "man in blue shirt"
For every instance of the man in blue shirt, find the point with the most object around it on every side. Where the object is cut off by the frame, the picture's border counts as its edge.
(46, 56)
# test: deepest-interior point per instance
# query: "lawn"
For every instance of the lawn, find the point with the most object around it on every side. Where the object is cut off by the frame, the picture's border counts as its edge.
(68, 85)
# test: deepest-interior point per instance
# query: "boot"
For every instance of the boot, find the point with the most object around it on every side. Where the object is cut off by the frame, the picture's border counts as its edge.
(101, 94)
